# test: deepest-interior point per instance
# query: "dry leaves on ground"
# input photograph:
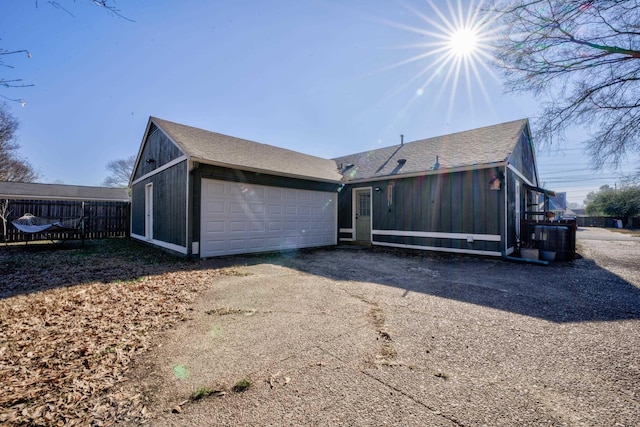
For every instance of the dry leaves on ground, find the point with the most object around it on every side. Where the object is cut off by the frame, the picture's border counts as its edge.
(65, 350)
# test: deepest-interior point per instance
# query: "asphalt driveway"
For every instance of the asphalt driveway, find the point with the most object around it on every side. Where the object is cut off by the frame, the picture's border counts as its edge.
(352, 336)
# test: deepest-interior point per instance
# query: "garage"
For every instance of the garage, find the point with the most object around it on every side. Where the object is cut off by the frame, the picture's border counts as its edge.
(239, 217)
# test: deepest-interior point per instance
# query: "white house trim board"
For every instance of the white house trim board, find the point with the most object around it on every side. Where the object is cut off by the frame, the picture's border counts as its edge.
(429, 172)
(148, 211)
(519, 174)
(161, 168)
(438, 235)
(439, 249)
(171, 246)
(187, 229)
(506, 210)
(347, 231)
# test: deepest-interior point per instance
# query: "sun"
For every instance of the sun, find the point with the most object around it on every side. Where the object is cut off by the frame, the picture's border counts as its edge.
(463, 42)
(454, 48)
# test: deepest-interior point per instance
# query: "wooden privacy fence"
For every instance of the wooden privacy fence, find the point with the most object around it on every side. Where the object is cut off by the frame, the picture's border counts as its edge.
(606, 221)
(93, 219)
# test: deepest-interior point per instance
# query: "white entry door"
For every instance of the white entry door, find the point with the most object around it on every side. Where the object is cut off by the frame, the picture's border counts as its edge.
(241, 218)
(363, 215)
(148, 211)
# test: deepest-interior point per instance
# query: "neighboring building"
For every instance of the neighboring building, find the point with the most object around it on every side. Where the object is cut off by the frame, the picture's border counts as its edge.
(36, 191)
(556, 205)
(203, 193)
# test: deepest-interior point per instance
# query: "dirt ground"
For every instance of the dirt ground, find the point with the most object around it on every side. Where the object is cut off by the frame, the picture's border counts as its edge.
(354, 336)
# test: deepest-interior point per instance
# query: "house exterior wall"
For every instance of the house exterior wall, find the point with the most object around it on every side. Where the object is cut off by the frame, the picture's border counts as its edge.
(169, 207)
(522, 170)
(159, 148)
(434, 212)
(522, 158)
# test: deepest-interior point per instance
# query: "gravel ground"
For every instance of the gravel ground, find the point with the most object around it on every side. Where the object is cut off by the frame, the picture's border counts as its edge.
(354, 336)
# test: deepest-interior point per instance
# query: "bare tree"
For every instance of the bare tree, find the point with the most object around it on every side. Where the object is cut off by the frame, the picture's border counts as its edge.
(108, 5)
(4, 216)
(119, 172)
(585, 56)
(12, 167)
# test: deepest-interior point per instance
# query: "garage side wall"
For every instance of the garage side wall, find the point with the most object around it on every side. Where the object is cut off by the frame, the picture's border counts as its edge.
(169, 206)
(452, 212)
(157, 151)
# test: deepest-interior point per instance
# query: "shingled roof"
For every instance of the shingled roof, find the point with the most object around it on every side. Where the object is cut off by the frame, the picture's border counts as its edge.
(37, 191)
(482, 146)
(224, 150)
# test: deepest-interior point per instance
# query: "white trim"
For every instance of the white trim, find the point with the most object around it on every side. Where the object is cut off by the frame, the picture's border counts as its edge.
(506, 208)
(347, 239)
(518, 210)
(161, 168)
(519, 174)
(148, 211)
(439, 249)
(187, 215)
(335, 217)
(346, 230)
(424, 173)
(172, 246)
(438, 235)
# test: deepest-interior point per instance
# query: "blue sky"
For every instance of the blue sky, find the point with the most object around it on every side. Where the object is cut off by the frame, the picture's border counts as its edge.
(326, 78)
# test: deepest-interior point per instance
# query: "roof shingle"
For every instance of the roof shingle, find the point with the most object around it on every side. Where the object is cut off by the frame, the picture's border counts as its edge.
(482, 146)
(37, 191)
(224, 150)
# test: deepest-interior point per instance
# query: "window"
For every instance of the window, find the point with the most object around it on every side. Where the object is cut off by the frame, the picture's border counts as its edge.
(364, 202)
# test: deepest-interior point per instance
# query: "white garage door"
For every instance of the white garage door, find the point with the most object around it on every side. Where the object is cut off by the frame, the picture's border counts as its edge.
(240, 218)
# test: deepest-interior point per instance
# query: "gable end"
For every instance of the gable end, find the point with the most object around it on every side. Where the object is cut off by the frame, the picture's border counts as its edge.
(156, 151)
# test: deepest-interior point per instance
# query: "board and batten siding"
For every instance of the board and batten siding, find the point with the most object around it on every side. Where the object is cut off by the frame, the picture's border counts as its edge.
(522, 158)
(169, 205)
(157, 151)
(433, 211)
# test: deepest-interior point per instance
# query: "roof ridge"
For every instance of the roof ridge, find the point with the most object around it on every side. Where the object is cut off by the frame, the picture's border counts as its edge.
(235, 138)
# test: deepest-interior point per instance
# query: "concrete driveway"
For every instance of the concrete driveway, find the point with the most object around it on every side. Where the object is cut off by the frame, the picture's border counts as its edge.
(352, 336)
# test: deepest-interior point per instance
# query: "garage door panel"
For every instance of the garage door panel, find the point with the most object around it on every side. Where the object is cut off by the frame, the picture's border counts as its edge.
(275, 210)
(215, 226)
(257, 209)
(237, 226)
(257, 226)
(238, 208)
(241, 218)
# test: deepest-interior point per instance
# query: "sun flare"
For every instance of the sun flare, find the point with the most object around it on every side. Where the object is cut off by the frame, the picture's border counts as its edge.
(463, 42)
(456, 51)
